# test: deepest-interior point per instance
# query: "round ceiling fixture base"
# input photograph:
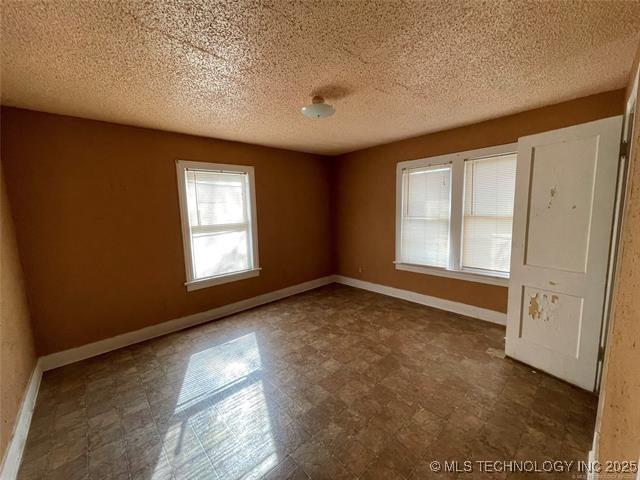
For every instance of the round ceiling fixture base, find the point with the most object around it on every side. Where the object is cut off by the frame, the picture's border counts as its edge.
(317, 109)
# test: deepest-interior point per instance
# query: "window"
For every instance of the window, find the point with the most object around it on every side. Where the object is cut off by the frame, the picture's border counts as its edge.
(455, 214)
(425, 215)
(217, 207)
(489, 186)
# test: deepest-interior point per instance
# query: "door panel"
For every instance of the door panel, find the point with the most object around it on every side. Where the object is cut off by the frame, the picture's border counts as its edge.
(565, 189)
(561, 200)
(552, 319)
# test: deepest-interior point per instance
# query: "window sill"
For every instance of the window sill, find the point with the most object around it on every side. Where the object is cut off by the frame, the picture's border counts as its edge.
(502, 281)
(220, 279)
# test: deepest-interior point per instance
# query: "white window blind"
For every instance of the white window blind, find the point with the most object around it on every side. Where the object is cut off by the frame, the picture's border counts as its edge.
(426, 215)
(219, 222)
(489, 186)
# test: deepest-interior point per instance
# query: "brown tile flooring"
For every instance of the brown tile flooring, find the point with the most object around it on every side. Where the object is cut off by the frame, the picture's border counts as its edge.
(334, 383)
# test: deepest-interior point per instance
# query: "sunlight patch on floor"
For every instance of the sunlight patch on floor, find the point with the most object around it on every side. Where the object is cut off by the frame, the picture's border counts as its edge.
(223, 419)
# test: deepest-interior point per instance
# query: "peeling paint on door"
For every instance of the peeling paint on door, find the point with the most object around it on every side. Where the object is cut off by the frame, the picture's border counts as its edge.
(543, 306)
(534, 307)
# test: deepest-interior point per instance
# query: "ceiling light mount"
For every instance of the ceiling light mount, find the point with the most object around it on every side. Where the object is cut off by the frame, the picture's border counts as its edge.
(318, 109)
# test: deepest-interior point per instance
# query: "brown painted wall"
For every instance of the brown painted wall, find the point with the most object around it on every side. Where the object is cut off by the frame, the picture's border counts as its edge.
(97, 216)
(619, 412)
(97, 221)
(365, 190)
(17, 352)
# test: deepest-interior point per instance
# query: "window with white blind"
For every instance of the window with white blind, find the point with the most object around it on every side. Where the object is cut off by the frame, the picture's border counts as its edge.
(425, 215)
(489, 187)
(455, 212)
(217, 206)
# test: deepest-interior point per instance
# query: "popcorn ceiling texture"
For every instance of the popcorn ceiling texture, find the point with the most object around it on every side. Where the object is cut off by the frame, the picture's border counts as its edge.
(242, 70)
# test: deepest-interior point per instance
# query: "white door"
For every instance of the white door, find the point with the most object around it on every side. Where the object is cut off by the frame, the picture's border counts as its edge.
(565, 192)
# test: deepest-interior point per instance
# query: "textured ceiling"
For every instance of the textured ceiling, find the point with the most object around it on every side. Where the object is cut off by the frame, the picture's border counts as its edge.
(241, 70)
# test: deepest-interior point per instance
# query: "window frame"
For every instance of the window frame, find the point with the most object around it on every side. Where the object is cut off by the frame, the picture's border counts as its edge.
(193, 283)
(456, 209)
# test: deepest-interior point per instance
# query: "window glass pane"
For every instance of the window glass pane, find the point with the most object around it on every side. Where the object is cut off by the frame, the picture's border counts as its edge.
(426, 214)
(219, 253)
(488, 212)
(219, 197)
(426, 242)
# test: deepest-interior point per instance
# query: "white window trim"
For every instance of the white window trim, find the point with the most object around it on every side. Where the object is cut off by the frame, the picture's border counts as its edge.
(454, 270)
(196, 284)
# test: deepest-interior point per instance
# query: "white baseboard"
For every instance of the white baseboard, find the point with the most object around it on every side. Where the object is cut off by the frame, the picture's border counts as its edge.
(13, 454)
(591, 475)
(435, 302)
(72, 355)
(593, 454)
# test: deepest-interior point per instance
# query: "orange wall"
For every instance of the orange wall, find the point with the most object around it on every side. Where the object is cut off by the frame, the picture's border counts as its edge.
(98, 224)
(17, 352)
(365, 195)
(619, 409)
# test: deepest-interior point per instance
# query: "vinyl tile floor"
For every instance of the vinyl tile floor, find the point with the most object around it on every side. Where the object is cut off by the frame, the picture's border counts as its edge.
(333, 383)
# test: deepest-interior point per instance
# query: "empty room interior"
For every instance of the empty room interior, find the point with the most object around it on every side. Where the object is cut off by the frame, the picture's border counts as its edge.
(293, 239)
